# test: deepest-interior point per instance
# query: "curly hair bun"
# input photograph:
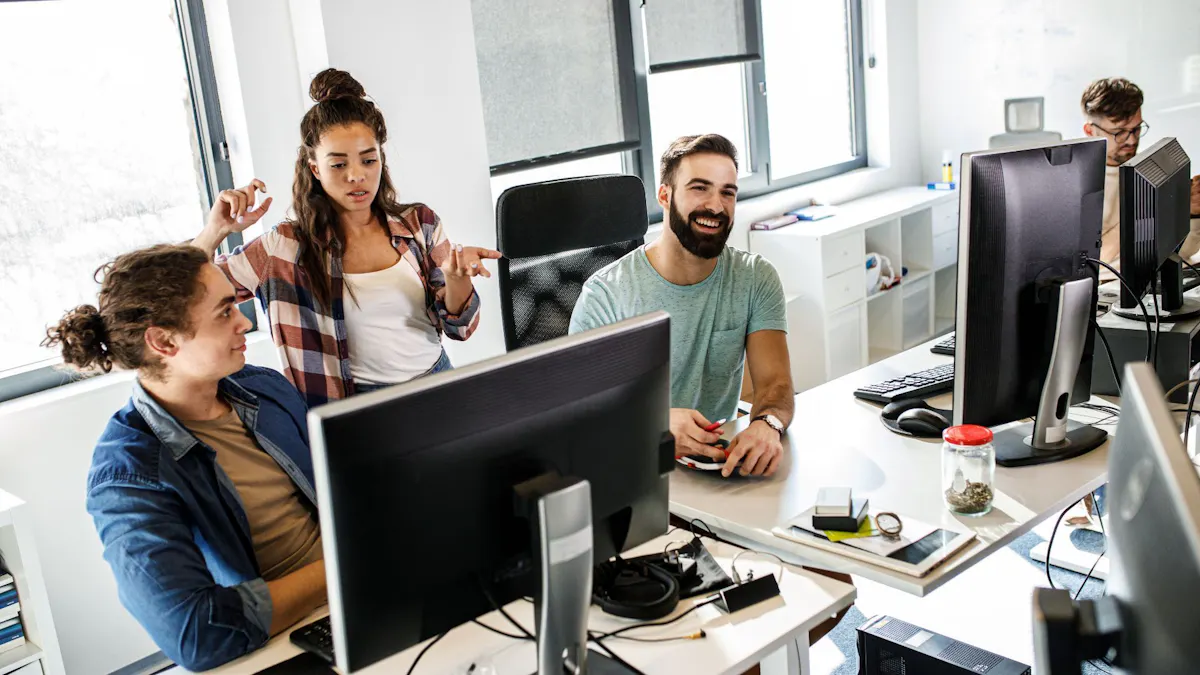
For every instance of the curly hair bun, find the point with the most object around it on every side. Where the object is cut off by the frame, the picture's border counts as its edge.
(82, 335)
(331, 84)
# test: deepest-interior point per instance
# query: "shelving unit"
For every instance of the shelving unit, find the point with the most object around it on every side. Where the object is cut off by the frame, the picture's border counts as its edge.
(40, 654)
(834, 327)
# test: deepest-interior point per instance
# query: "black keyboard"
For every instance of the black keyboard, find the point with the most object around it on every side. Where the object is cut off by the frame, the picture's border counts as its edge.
(315, 638)
(924, 384)
(945, 347)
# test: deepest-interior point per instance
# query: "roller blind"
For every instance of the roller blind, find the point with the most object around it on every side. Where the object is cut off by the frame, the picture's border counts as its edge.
(691, 33)
(556, 78)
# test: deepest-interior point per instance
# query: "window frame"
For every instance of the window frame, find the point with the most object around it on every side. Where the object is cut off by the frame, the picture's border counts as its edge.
(216, 173)
(640, 160)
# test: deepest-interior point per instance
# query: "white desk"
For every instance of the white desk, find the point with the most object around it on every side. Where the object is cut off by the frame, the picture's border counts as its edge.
(734, 642)
(837, 440)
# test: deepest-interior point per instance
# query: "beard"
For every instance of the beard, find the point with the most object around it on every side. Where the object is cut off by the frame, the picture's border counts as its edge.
(701, 245)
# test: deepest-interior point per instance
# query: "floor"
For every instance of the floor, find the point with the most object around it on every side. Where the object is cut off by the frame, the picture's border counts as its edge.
(989, 606)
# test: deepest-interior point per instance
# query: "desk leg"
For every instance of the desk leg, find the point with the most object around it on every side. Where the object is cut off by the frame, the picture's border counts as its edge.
(791, 660)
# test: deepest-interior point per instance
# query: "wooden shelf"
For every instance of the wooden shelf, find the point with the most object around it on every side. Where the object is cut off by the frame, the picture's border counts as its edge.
(21, 656)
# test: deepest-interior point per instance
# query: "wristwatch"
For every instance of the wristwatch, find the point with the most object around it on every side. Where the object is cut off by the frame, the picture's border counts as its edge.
(772, 421)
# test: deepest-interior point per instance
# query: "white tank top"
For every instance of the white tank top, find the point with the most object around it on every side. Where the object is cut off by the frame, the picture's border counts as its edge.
(390, 337)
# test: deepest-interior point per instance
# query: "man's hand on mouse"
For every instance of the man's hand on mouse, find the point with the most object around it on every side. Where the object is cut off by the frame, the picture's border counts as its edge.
(761, 447)
(688, 428)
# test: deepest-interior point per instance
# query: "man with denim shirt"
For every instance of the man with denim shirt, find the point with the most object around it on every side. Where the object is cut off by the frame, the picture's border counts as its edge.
(201, 487)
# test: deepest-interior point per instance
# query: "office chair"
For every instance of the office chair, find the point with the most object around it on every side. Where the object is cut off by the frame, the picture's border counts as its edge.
(1024, 124)
(554, 235)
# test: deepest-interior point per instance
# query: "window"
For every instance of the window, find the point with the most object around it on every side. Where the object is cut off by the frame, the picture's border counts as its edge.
(590, 166)
(699, 101)
(810, 101)
(103, 153)
(795, 114)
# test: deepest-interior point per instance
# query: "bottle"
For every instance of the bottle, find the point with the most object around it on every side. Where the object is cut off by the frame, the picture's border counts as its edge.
(968, 469)
(947, 167)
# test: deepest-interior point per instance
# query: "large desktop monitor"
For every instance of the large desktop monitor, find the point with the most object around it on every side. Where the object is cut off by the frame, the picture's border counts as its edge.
(511, 477)
(1147, 624)
(1029, 220)
(1155, 220)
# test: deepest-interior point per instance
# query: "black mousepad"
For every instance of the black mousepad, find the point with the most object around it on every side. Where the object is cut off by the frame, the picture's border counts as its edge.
(894, 425)
(301, 664)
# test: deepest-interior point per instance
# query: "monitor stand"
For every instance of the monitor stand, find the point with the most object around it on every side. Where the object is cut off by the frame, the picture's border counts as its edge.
(1052, 437)
(560, 512)
(1172, 306)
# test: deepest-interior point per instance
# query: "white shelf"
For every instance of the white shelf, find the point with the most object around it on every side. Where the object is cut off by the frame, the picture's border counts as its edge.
(881, 294)
(19, 657)
(915, 276)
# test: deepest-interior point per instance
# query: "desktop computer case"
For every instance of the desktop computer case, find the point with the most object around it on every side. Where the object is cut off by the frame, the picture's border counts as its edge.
(888, 646)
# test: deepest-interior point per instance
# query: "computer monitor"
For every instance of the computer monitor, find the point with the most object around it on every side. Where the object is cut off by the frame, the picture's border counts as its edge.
(1029, 220)
(1155, 219)
(479, 478)
(1148, 620)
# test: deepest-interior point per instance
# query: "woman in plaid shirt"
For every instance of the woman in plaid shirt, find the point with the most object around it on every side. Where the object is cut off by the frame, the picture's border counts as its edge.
(358, 288)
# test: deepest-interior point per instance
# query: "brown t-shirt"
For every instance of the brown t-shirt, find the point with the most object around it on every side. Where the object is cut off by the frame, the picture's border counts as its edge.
(283, 529)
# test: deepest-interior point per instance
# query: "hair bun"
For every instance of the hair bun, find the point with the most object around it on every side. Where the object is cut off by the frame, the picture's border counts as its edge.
(82, 337)
(331, 84)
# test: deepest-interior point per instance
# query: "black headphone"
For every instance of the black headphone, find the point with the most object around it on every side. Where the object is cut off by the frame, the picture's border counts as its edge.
(635, 590)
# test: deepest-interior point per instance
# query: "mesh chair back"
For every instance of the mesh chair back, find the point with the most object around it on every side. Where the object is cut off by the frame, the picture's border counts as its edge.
(554, 235)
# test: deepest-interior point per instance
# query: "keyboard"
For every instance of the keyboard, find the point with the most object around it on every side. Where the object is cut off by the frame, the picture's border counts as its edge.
(924, 384)
(315, 638)
(945, 347)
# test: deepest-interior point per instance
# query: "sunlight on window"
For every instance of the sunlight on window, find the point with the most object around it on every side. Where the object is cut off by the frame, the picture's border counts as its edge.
(99, 154)
(808, 85)
(709, 100)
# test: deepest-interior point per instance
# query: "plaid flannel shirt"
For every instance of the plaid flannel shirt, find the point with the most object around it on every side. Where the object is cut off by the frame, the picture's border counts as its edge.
(312, 340)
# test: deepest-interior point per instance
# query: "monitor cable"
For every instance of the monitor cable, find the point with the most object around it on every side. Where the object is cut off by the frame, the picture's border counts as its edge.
(422, 652)
(1112, 361)
(1150, 347)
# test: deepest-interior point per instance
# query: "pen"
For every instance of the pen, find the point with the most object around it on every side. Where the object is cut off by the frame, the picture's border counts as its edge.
(715, 425)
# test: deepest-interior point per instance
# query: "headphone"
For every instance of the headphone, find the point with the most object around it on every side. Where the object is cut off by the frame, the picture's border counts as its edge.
(635, 590)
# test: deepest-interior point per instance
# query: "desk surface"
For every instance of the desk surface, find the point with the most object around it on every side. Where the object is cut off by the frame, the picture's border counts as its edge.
(734, 642)
(837, 440)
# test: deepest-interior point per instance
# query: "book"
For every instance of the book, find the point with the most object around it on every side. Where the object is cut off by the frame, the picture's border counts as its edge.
(12, 644)
(847, 523)
(8, 597)
(833, 501)
(5, 579)
(8, 623)
(12, 632)
(774, 223)
(10, 612)
(815, 212)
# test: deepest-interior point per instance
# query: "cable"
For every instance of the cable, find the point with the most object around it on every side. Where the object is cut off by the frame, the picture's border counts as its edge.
(497, 631)
(1050, 546)
(496, 606)
(692, 526)
(1089, 574)
(1179, 386)
(628, 666)
(733, 564)
(1112, 362)
(666, 622)
(422, 652)
(1138, 298)
(1187, 420)
(1154, 290)
(692, 636)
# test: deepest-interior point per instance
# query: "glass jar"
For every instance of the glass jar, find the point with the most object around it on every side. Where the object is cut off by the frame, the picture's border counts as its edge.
(968, 469)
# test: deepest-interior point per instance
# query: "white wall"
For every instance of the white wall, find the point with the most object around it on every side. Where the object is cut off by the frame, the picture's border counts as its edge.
(973, 55)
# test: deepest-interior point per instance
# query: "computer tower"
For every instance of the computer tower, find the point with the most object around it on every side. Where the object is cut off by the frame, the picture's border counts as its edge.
(888, 646)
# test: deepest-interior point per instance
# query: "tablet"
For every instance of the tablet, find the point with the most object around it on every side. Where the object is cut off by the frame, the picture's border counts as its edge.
(919, 550)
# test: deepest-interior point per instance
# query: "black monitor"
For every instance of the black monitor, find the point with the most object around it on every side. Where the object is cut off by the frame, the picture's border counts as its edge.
(478, 479)
(1155, 220)
(1029, 220)
(1147, 624)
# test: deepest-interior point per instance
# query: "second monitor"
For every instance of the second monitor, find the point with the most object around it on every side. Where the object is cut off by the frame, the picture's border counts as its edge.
(1030, 220)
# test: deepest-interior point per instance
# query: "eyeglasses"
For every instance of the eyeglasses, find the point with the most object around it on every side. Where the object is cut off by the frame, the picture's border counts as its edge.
(1122, 135)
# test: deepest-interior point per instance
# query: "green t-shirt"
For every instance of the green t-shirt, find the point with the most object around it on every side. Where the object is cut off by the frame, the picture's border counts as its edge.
(709, 320)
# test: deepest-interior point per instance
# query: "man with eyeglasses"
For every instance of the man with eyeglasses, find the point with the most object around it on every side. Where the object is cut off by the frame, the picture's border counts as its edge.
(1112, 108)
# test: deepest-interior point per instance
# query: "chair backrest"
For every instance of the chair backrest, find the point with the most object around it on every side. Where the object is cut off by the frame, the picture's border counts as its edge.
(554, 235)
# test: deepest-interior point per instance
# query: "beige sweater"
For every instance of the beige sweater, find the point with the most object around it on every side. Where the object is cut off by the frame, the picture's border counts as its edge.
(1110, 231)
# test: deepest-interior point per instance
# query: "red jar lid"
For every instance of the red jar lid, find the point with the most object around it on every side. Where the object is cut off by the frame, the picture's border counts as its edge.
(967, 434)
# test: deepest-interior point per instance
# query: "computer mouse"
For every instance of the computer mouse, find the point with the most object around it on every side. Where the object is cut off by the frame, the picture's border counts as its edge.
(922, 422)
(893, 410)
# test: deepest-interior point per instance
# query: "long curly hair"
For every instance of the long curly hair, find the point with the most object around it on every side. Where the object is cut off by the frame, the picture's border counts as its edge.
(340, 100)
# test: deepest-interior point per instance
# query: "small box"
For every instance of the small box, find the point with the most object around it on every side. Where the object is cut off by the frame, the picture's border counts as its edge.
(843, 523)
(833, 501)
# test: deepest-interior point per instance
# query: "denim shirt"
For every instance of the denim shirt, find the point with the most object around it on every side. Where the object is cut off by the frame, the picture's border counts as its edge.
(174, 529)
